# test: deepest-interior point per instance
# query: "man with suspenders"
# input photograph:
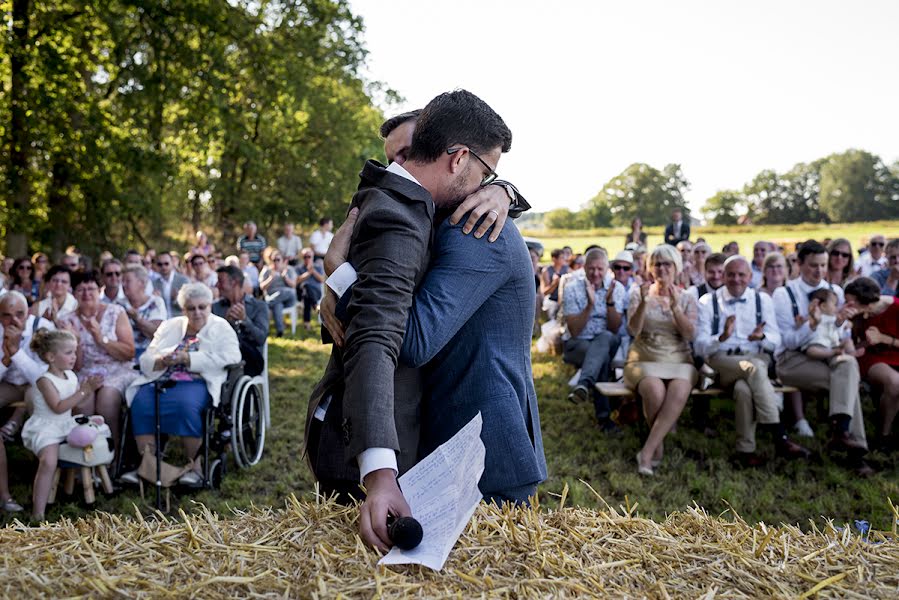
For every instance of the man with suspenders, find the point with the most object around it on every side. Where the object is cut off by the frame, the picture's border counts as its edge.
(737, 334)
(840, 379)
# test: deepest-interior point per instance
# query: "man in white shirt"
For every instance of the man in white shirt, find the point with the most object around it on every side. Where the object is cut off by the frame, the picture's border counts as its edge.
(737, 334)
(321, 238)
(19, 366)
(289, 245)
(112, 292)
(873, 259)
(840, 379)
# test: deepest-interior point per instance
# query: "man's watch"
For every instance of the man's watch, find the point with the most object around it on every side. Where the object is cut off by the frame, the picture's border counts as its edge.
(517, 203)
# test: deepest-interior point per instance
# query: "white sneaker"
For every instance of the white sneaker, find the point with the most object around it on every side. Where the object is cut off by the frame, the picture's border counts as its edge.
(803, 429)
(191, 479)
(10, 505)
(130, 477)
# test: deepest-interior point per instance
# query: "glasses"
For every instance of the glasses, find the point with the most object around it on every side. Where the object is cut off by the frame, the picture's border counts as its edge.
(197, 307)
(878, 244)
(307, 256)
(840, 254)
(198, 263)
(25, 267)
(664, 264)
(113, 274)
(162, 264)
(621, 267)
(490, 177)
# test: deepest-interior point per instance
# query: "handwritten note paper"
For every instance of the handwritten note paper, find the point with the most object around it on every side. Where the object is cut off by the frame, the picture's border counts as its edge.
(442, 491)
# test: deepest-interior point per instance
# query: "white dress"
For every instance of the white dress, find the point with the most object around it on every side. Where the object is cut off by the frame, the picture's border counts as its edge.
(46, 427)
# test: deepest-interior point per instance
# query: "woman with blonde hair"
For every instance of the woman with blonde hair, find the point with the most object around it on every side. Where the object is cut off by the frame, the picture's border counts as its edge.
(840, 262)
(659, 368)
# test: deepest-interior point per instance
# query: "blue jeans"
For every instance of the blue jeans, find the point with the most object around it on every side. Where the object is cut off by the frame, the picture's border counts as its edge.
(518, 496)
(312, 295)
(277, 302)
(594, 357)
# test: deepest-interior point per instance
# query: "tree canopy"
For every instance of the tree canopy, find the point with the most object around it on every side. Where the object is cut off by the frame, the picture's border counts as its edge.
(125, 121)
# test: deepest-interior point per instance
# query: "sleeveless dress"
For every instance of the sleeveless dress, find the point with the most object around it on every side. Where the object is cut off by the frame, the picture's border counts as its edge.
(888, 324)
(116, 374)
(46, 427)
(660, 350)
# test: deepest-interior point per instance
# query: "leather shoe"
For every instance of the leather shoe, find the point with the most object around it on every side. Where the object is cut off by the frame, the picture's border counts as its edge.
(579, 394)
(750, 459)
(791, 450)
(847, 443)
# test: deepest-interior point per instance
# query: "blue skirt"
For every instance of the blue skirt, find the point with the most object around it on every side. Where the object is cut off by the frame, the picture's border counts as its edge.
(180, 408)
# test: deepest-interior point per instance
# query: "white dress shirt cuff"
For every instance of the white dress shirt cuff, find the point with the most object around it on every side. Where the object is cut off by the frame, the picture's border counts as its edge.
(767, 345)
(374, 459)
(341, 279)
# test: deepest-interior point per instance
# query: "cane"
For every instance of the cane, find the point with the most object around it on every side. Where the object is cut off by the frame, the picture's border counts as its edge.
(158, 385)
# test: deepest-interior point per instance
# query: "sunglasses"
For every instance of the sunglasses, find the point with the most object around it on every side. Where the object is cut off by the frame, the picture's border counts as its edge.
(878, 244)
(840, 254)
(163, 264)
(664, 264)
(25, 267)
(113, 274)
(621, 267)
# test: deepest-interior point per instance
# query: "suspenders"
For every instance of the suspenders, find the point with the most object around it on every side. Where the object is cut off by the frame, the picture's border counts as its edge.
(716, 317)
(793, 298)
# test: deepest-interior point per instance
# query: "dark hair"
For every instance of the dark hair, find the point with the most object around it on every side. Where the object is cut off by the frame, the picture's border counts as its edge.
(590, 247)
(133, 252)
(393, 122)
(87, 276)
(457, 117)
(324, 220)
(556, 253)
(55, 269)
(16, 280)
(110, 261)
(718, 258)
(865, 289)
(808, 248)
(231, 271)
(822, 294)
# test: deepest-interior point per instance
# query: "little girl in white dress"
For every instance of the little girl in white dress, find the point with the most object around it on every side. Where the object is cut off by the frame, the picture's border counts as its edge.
(54, 395)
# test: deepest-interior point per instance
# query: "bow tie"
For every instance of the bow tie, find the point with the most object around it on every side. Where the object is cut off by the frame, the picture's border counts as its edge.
(733, 301)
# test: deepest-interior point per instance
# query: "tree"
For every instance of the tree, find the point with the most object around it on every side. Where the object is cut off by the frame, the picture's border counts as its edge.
(562, 218)
(857, 186)
(640, 191)
(722, 208)
(788, 198)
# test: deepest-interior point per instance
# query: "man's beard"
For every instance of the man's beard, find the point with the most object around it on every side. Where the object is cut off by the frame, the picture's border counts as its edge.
(458, 192)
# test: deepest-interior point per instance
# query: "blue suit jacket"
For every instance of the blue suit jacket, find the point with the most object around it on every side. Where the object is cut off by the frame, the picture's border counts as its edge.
(470, 327)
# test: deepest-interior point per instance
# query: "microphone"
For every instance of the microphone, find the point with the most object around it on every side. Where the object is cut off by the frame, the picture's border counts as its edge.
(404, 532)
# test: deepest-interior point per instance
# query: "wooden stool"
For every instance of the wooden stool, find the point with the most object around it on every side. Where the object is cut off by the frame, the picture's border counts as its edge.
(87, 480)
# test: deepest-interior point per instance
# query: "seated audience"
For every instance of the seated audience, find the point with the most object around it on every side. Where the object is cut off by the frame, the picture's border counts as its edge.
(760, 250)
(290, 245)
(829, 341)
(701, 251)
(797, 326)
(41, 264)
(876, 329)
(888, 277)
(310, 276)
(731, 249)
(737, 336)
(193, 351)
(71, 259)
(23, 280)
(133, 257)
(551, 276)
(592, 306)
(622, 270)
(660, 318)
(19, 367)
(793, 264)
(278, 282)
(689, 275)
(169, 283)
(252, 242)
(112, 293)
(247, 315)
(774, 273)
(145, 311)
(202, 273)
(839, 267)
(250, 272)
(58, 302)
(105, 348)
(873, 258)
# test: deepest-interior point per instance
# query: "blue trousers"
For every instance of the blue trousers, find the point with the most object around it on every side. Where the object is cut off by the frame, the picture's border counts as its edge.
(594, 357)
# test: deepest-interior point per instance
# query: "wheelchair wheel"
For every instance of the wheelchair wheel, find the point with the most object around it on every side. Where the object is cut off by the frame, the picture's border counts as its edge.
(216, 474)
(248, 418)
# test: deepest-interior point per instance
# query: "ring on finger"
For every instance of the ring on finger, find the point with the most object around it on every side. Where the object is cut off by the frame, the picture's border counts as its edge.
(493, 211)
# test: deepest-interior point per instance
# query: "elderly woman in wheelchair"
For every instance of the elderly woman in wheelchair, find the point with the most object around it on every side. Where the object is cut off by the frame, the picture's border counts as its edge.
(186, 365)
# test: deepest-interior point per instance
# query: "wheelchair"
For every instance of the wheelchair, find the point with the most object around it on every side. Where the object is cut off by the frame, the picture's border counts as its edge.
(239, 424)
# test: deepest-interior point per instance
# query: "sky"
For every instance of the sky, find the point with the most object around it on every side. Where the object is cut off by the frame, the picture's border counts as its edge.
(723, 88)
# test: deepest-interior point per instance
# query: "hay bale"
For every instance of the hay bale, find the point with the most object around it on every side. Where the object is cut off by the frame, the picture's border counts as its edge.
(310, 549)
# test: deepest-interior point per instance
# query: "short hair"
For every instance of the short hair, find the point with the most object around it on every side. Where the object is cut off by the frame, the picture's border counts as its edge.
(865, 289)
(808, 248)
(48, 340)
(233, 272)
(133, 252)
(393, 122)
(683, 244)
(667, 252)
(591, 247)
(701, 246)
(14, 295)
(110, 261)
(139, 271)
(765, 243)
(324, 220)
(86, 276)
(193, 291)
(253, 223)
(893, 244)
(457, 117)
(556, 253)
(56, 270)
(737, 258)
(773, 257)
(822, 294)
(596, 254)
(715, 259)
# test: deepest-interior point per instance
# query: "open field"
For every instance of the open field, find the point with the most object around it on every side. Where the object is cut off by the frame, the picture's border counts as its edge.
(696, 468)
(717, 237)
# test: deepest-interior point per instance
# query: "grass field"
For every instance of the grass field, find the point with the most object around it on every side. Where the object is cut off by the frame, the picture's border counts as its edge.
(696, 469)
(717, 237)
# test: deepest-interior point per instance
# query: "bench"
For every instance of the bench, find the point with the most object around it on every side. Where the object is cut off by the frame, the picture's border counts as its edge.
(617, 389)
